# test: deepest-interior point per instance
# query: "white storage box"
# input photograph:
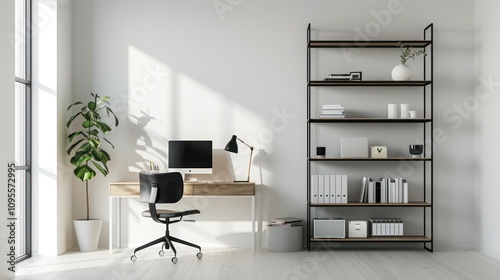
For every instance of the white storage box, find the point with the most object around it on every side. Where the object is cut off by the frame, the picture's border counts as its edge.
(329, 228)
(354, 147)
(358, 229)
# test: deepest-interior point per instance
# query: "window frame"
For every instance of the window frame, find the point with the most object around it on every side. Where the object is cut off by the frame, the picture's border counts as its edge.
(26, 81)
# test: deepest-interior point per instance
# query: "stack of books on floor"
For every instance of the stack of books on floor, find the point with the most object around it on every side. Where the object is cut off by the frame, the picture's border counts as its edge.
(332, 111)
(285, 222)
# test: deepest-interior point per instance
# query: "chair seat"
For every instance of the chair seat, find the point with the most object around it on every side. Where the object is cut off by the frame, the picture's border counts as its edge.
(164, 213)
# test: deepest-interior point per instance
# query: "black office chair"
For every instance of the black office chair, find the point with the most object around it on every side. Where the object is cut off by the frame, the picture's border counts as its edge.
(164, 188)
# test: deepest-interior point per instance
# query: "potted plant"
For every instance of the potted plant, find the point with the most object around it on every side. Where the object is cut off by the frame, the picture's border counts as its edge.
(87, 156)
(403, 72)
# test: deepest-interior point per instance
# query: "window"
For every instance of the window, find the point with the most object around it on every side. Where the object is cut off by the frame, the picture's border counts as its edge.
(23, 127)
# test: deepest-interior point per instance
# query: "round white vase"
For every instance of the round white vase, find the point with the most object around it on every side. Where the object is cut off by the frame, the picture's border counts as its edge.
(87, 233)
(401, 72)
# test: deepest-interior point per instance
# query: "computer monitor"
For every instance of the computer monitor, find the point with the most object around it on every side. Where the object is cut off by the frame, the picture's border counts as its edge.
(190, 156)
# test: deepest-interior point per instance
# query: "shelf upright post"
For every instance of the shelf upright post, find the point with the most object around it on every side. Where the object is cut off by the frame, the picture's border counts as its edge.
(430, 29)
(308, 176)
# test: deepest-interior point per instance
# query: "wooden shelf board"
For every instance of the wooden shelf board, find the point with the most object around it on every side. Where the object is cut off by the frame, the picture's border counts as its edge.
(413, 238)
(369, 120)
(358, 204)
(368, 83)
(369, 159)
(368, 44)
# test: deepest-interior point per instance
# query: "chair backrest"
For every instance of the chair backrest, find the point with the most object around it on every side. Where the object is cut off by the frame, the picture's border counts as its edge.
(170, 187)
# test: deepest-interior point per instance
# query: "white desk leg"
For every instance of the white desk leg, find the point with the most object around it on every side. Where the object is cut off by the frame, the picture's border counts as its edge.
(111, 208)
(118, 223)
(114, 218)
(253, 224)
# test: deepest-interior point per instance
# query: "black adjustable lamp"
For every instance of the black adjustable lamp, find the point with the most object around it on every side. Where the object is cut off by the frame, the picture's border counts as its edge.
(232, 146)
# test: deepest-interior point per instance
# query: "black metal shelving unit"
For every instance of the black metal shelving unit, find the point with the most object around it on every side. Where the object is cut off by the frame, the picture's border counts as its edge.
(426, 204)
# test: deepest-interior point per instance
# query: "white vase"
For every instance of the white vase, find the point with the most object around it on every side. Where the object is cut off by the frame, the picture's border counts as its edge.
(402, 72)
(87, 234)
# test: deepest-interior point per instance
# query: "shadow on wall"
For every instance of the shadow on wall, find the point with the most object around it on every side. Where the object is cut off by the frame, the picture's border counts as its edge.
(143, 143)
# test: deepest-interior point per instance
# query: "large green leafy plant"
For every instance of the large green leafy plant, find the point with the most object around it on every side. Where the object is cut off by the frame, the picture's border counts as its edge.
(86, 152)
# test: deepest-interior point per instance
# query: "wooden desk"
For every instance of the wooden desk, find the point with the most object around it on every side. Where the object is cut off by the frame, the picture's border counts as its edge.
(119, 190)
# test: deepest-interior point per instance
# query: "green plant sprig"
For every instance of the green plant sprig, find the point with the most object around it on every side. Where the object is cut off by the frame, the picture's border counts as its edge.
(408, 52)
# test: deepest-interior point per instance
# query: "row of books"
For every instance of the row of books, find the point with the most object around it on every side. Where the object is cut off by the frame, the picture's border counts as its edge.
(386, 227)
(285, 222)
(328, 189)
(384, 190)
(332, 111)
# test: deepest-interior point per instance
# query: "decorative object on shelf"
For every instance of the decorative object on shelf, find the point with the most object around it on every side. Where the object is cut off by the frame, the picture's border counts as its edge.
(88, 150)
(232, 146)
(320, 152)
(395, 111)
(354, 147)
(405, 111)
(416, 150)
(403, 72)
(392, 111)
(352, 76)
(378, 152)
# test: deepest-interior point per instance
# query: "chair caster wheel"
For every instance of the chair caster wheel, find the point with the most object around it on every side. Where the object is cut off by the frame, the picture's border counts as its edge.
(161, 253)
(174, 260)
(199, 255)
(133, 258)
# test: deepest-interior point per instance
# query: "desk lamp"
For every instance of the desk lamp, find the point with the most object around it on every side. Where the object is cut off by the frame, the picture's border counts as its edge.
(232, 146)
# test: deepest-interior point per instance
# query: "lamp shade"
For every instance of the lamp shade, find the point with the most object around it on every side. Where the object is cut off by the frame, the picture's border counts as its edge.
(232, 146)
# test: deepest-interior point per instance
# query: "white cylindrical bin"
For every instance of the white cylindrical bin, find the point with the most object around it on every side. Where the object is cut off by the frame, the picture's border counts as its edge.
(285, 239)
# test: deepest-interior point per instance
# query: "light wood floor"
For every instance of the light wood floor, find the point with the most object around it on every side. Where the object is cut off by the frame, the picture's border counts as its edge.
(238, 264)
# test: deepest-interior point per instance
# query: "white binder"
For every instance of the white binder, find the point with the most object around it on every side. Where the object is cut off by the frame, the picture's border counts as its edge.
(332, 188)
(321, 191)
(338, 188)
(405, 191)
(371, 192)
(326, 188)
(314, 188)
(344, 189)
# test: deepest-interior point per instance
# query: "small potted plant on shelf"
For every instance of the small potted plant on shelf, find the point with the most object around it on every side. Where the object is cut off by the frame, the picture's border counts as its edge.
(87, 155)
(403, 72)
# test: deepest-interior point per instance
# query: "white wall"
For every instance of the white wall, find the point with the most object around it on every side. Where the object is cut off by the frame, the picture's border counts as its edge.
(7, 113)
(485, 100)
(210, 69)
(52, 219)
(64, 88)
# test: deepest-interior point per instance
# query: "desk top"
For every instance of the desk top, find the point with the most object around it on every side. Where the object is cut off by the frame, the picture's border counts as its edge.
(200, 188)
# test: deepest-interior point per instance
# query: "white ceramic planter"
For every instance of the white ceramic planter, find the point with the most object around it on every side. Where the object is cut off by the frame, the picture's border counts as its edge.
(87, 233)
(401, 72)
